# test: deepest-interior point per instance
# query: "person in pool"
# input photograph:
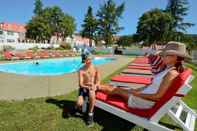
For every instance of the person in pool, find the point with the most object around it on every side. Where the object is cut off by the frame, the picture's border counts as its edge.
(89, 81)
(173, 57)
(36, 63)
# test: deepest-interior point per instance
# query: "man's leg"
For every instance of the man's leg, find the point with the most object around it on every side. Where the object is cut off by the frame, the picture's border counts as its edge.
(79, 101)
(92, 99)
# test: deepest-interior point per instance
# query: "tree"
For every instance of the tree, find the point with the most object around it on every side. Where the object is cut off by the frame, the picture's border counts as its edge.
(67, 26)
(125, 41)
(38, 29)
(178, 9)
(108, 16)
(89, 27)
(52, 21)
(59, 22)
(153, 26)
(38, 7)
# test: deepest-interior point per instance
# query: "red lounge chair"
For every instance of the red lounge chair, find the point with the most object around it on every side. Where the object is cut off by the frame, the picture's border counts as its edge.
(169, 104)
(140, 67)
(154, 63)
(42, 54)
(29, 55)
(19, 55)
(7, 55)
(127, 81)
(37, 55)
(136, 72)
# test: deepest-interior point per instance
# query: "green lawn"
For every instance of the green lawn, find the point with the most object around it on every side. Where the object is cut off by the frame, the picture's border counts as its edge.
(45, 114)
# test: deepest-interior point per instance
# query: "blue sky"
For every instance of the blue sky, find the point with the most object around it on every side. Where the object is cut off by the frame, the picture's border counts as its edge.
(20, 11)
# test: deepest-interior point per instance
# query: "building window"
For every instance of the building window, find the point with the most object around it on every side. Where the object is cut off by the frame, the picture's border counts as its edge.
(10, 33)
(1, 32)
(10, 40)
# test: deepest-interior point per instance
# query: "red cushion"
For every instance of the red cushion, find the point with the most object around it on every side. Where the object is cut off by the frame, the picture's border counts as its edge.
(101, 96)
(139, 67)
(132, 79)
(148, 113)
(120, 103)
(145, 61)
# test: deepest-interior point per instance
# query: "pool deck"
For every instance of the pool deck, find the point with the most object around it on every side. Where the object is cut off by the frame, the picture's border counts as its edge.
(20, 87)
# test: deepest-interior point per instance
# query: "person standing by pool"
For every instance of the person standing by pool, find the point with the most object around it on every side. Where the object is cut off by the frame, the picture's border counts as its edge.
(89, 82)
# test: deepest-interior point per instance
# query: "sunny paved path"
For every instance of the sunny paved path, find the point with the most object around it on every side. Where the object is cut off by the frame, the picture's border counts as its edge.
(20, 87)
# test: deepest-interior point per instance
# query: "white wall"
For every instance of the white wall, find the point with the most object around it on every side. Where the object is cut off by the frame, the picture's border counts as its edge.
(22, 46)
(194, 56)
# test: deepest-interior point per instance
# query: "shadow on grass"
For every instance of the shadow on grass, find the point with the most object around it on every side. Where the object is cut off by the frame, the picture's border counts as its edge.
(103, 118)
(111, 122)
(170, 126)
(65, 105)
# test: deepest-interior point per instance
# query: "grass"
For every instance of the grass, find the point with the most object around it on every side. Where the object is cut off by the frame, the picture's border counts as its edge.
(46, 114)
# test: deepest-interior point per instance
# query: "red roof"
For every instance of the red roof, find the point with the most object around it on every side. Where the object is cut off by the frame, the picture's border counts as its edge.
(13, 27)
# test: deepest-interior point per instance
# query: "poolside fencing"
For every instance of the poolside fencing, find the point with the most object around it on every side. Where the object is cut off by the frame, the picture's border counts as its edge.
(194, 56)
(23, 46)
(137, 51)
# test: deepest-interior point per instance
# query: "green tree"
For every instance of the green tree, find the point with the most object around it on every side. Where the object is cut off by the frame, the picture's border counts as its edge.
(89, 27)
(108, 19)
(124, 41)
(59, 22)
(54, 15)
(178, 9)
(38, 7)
(51, 21)
(153, 26)
(67, 26)
(38, 29)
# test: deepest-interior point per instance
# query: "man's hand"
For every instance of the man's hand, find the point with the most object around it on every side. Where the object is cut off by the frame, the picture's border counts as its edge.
(93, 88)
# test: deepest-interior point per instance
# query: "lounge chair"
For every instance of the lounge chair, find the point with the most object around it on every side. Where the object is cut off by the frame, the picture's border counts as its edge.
(170, 104)
(139, 67)
(137, 72)
(19, 55)
(153, 62)
(128, 81)
(29, 55)
(154, 66)
(7, 55)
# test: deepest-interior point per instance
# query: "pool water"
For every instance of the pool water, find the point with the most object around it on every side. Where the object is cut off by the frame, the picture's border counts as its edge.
(50, 66)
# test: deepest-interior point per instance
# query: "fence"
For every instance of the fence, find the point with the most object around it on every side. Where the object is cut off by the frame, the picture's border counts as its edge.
(23, 46)
(194, 56)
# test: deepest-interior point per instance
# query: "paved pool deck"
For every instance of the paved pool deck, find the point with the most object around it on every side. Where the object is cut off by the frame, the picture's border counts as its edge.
(20, 87)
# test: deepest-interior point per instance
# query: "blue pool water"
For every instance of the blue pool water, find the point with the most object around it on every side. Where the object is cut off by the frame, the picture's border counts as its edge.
(50, 66)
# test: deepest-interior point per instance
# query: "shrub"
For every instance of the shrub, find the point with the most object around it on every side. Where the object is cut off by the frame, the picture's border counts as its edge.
(65, 46)
(101, 52)
(8, 47)
(34, 49)
(59, 48)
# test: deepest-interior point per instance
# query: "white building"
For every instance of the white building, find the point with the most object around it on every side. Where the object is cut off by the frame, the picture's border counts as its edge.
(12, 32)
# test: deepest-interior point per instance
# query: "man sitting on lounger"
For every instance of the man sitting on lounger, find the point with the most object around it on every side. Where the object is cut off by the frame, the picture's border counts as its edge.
(173, 56)
(89, 81)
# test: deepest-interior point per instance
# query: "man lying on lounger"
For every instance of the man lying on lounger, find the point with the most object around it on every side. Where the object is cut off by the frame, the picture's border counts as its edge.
(89, 81)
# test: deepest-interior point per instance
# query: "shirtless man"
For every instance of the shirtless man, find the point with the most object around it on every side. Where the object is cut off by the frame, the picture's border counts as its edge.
(89, 82)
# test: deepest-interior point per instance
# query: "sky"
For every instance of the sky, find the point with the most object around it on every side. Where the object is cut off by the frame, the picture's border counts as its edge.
(21, 11)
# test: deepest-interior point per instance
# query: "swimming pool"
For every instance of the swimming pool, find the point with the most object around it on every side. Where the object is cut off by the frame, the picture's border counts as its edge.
(49, 66)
